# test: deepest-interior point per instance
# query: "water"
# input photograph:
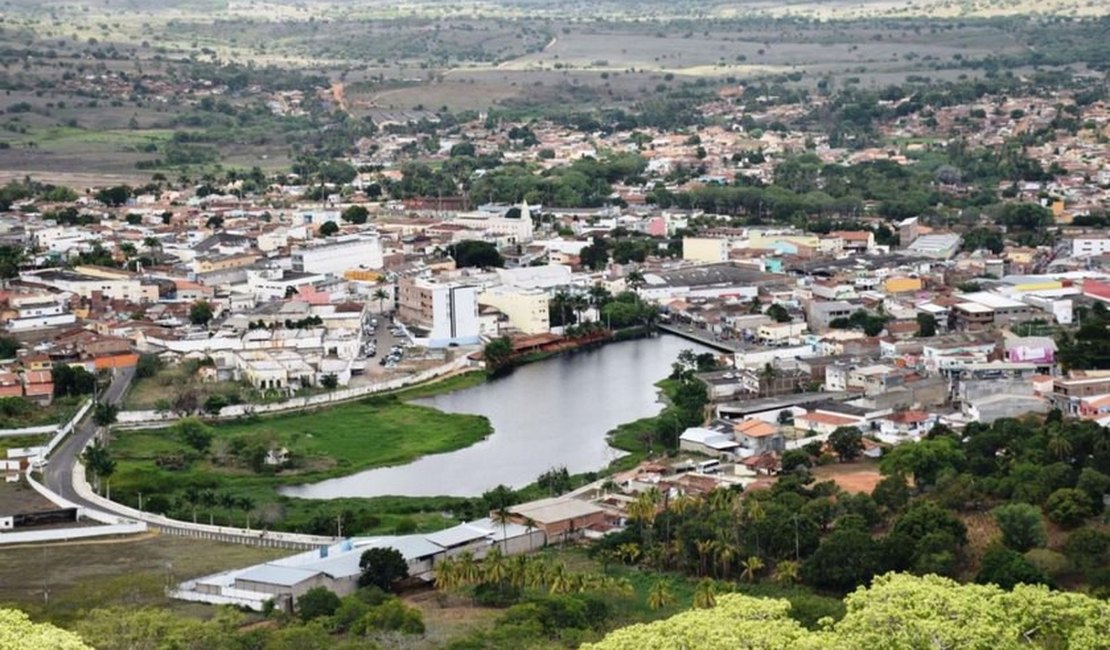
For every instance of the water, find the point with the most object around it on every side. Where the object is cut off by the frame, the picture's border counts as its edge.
(554, 413)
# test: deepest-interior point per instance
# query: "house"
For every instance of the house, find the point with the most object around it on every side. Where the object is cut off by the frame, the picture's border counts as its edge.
(709, 442)
(757, 437)
(560, 518)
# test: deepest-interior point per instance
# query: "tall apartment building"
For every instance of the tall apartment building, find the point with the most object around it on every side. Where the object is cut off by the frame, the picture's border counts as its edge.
(439, 313)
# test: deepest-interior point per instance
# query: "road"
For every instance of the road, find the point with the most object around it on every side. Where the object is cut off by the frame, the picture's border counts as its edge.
(59, 471)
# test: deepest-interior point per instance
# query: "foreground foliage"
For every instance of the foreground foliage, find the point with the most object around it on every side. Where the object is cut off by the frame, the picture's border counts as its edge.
(17, 631)
(897, 611)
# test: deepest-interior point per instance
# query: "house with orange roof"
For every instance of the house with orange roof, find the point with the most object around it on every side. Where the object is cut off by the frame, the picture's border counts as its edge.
(758, 437)
(821, 423)
(10, 385)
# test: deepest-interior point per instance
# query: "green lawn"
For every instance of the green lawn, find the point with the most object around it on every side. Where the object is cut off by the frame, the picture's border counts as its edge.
(340, 440)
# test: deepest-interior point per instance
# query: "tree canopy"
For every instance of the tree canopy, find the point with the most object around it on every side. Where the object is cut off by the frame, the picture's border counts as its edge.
(897, 611)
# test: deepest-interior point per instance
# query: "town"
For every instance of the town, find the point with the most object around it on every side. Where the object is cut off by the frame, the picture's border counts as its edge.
(884, 312)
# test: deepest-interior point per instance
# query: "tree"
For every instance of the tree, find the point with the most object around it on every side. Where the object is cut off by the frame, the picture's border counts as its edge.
(194, 433)
(9, 348)
(327, 229)
(845, 559)
(498, 353)
(635, 279)
(847, 442)
(594, 256)
(355, 214)
(474, 253)
(752, 566)
(215, 403)
(660, 595)
(17, 631)
(1068, 507)
(105, 414)
(1007, 569)
(329, 381)
(888, 614)
(705, 595)
(71, 381)
(201, 312)
(99, 460)
(381, 295)
(778, 313)
(1021, 526)
(316, 603)
(382, 567)
(114, 196)
(924, 459)
(926, 325)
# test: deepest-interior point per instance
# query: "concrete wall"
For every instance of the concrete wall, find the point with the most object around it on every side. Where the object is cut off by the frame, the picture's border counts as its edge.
(144, 418)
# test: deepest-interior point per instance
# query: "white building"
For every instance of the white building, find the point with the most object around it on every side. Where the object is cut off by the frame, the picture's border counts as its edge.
(505, 229)
(334, 256)
(40, 310)
(440, 313)
(1089, 246)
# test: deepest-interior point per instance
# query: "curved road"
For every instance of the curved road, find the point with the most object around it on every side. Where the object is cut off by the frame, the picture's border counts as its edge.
(59, 471)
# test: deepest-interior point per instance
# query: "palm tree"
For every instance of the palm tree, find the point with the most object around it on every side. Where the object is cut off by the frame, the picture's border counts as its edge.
(1102, 440)
(192, 497)
(518, 570)
(468, 569)
(447, 574)
(725, 555)
(559, 582)
(660, 595)
(494, 568)
(704, 547)
(536, 576)
(501, 517)
(752, 566)
(246, 504)
(530, 524)
(786, 572)
(1059, 445)
(629, 552)
(705, 595)
(635, 279)
(228, 501)
(381, 295)
(208, 500)
(151, 243)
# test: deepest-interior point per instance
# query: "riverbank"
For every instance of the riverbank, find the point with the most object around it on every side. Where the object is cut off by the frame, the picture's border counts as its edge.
(223, 472)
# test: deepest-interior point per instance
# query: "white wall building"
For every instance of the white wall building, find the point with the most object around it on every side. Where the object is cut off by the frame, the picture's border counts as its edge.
(334, 256)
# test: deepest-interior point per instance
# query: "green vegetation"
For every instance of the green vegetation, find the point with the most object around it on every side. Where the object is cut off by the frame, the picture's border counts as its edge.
(888, 614)
(221, 472)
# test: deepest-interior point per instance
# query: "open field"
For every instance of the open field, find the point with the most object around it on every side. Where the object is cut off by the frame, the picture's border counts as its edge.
(853, 478)
(336, 441)
(57, 582)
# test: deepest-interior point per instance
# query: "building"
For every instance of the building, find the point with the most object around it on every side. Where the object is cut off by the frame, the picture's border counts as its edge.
(526, 309)
(336, 255)
(707, 250)
(84, 283)
(708, 442)
(439, 313)
(1090, 246)
(507, 230)
(941, 246)
(37, 311)
(560, 518)
(820, 313)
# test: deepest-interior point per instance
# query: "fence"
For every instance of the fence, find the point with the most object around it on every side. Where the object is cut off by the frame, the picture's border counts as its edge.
(49, 428)
(201, 531)
(131, 418)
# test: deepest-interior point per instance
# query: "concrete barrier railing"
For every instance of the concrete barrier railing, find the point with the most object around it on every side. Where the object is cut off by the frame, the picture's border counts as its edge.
(57, 429)
(205, 531)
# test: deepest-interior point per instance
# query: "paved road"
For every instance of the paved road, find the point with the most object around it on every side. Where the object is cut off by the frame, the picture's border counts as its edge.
(59, 471)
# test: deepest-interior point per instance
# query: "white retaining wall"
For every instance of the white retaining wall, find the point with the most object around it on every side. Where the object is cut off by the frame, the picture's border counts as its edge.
(239, 410)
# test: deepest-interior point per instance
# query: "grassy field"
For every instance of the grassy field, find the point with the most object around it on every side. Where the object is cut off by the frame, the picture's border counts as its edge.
(336, 441)
(57, 582)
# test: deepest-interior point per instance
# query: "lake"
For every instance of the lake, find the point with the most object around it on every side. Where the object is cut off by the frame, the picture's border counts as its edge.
(553, 413)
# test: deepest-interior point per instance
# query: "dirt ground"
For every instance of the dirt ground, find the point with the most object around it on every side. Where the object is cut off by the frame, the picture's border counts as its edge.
(851, 477)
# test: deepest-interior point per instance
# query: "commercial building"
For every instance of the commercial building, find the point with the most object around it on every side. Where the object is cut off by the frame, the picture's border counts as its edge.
(334, 256)
(705, 249)
(527, 309)
(439, 313)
